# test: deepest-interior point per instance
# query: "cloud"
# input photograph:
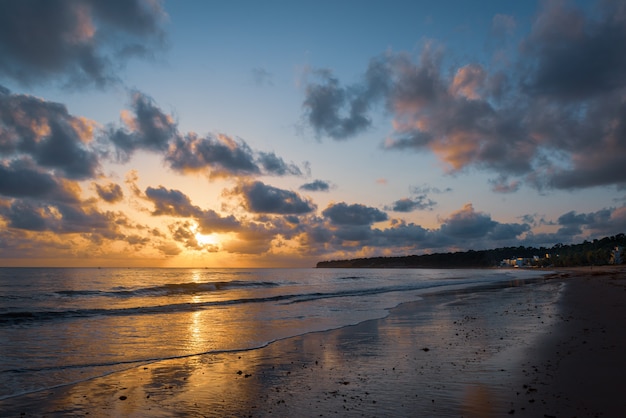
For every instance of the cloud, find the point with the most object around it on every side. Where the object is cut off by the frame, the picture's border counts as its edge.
(468, 82)
(316, 186)
(175, 203)
(340, 112)
(425, 189)
(502, 185)
(552, 118)
(58, 217)
(402, 234)
(47, 133)
(421, 202)
(355, 214)
(574, 226)
(111, 193)
(349, 233)
(148, 128)
(275, 165)
(574, 55)
(224, 156)
(455, 118)
(605, 221)
(80, 42)
(185, 232)
(22, 179)
(169, 249)
(508, 232)
(170, 202)
(261, 198)
(468, 224)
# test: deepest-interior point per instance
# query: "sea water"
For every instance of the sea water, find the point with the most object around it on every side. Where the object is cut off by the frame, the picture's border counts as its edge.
(64, 325)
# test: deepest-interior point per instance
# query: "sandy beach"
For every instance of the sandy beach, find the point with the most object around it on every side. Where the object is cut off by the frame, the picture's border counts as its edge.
(552, 348)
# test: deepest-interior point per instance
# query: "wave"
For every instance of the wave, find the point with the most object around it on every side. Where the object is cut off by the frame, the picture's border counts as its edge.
(189, 288)
(25, 317)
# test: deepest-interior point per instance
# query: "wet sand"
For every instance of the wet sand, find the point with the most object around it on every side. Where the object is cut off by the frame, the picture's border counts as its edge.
(552, 348)
(579, 367)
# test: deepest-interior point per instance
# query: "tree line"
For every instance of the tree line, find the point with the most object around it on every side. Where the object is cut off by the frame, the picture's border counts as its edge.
(587, 253)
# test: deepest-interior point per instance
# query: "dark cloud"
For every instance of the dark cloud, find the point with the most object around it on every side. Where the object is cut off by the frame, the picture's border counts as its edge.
(261, 198)
(111, 192)
(455, 118)
(176, 203)
(401, 234)
(57, 217)
(552, 118)
(23, 215)
(316, 186)
(574, 55)
(44, 152)
(356, 214)
(421, 202)
(210, 221)
(170, 202)
(502, 185)
(508, 232)
(22, 179)
(77, 41)
(148, 128)
(403, 205)
(80, 218)
(574, 226)
(536, 220)
(48, 134)
(340, 112)
(358, 233)
(573, 223)
(221, 154)
(468, 224)
(464, 229)
(275, 165)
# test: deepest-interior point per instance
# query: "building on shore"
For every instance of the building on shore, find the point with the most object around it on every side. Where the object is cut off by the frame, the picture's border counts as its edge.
(616, 256)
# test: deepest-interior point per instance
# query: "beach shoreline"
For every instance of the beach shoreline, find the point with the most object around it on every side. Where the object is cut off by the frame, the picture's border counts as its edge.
(577, 368)
(550, 348)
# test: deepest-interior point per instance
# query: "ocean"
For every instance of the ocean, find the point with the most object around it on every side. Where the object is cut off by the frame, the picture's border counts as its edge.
(64, 325)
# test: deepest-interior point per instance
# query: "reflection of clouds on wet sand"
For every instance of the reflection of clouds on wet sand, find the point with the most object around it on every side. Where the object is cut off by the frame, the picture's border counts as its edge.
(438, 356)
(477, 401)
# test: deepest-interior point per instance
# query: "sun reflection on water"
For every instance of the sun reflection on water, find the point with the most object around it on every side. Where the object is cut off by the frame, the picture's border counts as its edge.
(195, 341)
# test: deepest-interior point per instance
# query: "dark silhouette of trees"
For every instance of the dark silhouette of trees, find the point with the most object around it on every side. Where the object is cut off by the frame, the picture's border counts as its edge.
(596, 252)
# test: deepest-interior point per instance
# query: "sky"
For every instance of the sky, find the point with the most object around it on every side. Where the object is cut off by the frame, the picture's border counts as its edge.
(279, 133)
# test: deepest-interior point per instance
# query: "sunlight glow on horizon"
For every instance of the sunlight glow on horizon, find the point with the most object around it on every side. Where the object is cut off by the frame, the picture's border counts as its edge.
(438, 128)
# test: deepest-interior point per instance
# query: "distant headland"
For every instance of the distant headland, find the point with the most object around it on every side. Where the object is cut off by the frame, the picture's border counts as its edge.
(608, 250)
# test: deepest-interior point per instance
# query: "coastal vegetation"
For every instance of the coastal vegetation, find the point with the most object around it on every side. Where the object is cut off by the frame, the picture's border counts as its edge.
(608, 250)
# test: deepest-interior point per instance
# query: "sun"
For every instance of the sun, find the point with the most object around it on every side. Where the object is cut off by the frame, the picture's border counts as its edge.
(204, 240)
(207, 240)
